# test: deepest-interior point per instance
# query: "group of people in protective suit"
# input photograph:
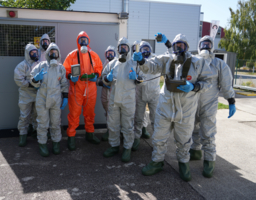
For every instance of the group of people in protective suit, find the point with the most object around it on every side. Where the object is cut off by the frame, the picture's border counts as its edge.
(130, 79)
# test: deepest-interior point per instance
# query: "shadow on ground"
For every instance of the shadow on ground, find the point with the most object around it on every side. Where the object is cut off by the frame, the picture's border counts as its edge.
(84, 174)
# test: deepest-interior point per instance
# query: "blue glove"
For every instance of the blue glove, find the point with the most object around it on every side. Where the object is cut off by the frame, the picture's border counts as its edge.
(232, 110)
(186, 88)
(110, 76)
(94, 79)
(64, 103)
(133, 75)
(74, 79)
(106, 86)
(164, 38)
(39, 76)
(137, 56)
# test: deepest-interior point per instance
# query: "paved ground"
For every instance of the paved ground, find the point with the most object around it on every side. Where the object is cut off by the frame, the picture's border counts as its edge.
(84, 174)
(235, 175)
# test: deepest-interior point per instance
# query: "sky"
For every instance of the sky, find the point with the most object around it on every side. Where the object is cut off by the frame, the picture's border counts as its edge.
(212, 9)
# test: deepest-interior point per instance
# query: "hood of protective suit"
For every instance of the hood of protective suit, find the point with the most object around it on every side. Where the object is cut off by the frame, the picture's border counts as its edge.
(112, 48)
(207, 37)
(44, 36)
(182, 38)
(124, 40)
(52, 46)
(28, 48)
(83, 34)
(142, 43)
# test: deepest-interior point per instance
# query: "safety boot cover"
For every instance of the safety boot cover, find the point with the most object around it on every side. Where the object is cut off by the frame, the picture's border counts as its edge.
(111, 152)
(152, 168)
(184, 171)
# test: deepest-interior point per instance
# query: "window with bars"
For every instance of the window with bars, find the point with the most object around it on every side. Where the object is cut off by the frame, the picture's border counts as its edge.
(14, 38)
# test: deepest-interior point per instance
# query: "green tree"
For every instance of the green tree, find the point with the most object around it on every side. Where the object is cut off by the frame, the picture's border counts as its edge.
(39, 4)
(240, 37)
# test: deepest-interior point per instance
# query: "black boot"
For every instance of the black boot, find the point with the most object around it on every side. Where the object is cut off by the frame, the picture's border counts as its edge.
(56, 148)
(105, 136)
(126, 156)
(111, 152)
(71, 143)
(208, 168)
(184, 171)
(152, 168)
(195, 154)
(23, 141)
(43, 150)
(136, 144)
(90, 137)
(145, 134)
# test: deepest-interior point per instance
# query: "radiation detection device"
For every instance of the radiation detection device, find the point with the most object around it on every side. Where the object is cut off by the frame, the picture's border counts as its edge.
(75, 70)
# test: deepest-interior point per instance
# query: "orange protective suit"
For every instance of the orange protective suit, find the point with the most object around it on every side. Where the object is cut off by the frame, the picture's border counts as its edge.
(83, 93)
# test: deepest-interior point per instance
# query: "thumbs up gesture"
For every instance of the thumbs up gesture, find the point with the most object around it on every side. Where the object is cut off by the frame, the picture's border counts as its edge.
(110, 76)
(39, 76)
(132, 74)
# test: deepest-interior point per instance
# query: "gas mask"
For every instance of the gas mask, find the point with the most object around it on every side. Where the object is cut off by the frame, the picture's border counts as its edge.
(83, 41)
(34, 55)
(110, 55)
(45, 44)
(145, 51)
(123, 50)
(53, 55)
(179, 49)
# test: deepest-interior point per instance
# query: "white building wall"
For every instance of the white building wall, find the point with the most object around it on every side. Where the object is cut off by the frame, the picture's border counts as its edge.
(91, 5)
(115, 6)
(138, 22)
(148, 18)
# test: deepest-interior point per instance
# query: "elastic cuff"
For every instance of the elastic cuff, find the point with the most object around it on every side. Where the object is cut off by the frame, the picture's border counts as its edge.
(97, 75)
(142, 61)
(105, 79)
(69, 76)
(231, 101)
(100, 83)
(64, 95)
(34, 81)
(197, 87)
(168, 44)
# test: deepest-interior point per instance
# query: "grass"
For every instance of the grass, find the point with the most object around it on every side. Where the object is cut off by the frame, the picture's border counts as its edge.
(222, 106)
(245, 73)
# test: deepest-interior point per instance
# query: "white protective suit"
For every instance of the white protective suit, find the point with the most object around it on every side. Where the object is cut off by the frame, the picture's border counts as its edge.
(145, 120)
(48, 99)
(27, 93)
(148, 93)
(121, 106)
(205, 123)
(41, 51)
(105, 91)
(176, 111)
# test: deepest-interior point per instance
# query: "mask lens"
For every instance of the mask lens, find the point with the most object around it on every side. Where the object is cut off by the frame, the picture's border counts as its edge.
(110, 53)
(123, 48)
(133, 48)
(45, 42)
(33, 54)
(53, 54)
(205, 45)
(179, 47)
(83, 41)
